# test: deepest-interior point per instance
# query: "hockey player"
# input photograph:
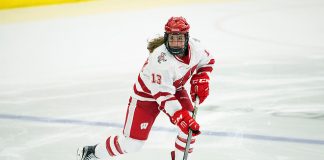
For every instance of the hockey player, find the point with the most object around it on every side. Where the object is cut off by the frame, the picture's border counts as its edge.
(173, 60)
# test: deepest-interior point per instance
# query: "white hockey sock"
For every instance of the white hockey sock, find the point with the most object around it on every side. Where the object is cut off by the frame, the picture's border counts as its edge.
(112, 146)
(101, 151)
(180, 145)
(109, 149)
(117, 145)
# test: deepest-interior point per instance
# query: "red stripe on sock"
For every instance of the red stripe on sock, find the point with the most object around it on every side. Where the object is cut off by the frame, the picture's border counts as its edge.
(109, 148)
(185, 140)
(182, 148)
(117, 145)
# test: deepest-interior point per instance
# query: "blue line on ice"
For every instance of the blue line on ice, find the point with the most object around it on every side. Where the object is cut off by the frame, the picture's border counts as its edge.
(117, 125)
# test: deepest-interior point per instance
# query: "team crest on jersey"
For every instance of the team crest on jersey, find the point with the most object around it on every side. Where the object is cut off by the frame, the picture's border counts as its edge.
(144, 126)
(162, 58)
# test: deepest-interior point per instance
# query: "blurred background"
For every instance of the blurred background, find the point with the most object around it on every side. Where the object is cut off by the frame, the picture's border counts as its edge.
(67, 68)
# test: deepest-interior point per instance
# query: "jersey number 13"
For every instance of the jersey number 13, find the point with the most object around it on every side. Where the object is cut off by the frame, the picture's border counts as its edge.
(156, 78)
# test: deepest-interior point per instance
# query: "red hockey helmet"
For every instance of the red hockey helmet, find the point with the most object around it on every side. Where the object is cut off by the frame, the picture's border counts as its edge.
(177, 25)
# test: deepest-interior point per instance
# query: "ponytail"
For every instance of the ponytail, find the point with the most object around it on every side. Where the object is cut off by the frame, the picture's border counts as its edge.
(154, 43)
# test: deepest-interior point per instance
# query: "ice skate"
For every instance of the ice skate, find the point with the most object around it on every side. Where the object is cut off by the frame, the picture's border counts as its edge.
(87, 153)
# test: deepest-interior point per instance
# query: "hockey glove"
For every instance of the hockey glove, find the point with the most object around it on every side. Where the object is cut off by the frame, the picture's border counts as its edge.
(199, 86)
(184, 121)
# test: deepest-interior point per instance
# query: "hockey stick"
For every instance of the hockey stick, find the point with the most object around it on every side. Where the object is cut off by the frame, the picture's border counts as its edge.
(185, 156)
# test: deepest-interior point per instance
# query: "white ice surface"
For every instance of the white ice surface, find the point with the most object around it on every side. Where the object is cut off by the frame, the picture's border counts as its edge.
(267, 90)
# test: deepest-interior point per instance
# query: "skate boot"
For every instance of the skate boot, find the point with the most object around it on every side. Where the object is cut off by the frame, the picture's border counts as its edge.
(87, 153)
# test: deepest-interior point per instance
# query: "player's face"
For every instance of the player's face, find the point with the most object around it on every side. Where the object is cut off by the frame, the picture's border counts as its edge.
(176, 40)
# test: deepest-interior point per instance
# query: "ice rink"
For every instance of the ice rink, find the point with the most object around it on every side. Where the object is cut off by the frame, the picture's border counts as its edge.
(65, 81)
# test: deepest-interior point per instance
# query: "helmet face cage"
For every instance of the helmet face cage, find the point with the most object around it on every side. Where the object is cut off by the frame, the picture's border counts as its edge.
(176, 25)
(176, 51)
